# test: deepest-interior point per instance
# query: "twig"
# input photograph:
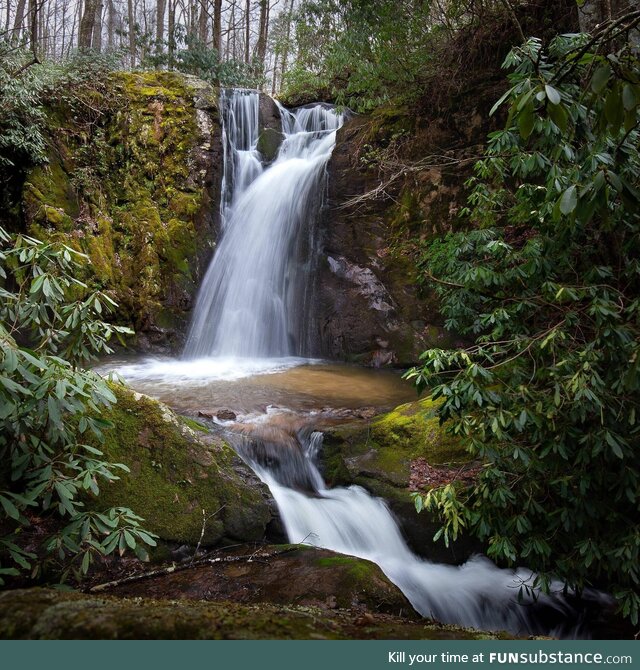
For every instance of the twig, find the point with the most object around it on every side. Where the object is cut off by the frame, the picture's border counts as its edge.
(204, 524)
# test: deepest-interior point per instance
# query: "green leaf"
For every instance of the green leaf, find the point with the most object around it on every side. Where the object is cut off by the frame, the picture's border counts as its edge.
(10, 509)
(552, 94)
(601, 78)
(629, 97)
(54, 411)
(569, 200)
(613, 108)
(526, 121)
(558, 114)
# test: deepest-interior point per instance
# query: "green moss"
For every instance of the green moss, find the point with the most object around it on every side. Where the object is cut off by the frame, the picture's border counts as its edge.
(194, 425)
(379, 454)
(174, 476)
(43, 614)
(127, 193)
(269, 142)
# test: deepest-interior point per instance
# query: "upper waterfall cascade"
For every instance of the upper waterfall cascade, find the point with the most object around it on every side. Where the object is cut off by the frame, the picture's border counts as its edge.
(254, 299)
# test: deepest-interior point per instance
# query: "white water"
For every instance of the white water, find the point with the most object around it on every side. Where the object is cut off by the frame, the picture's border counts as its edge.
(254, 299)
(350, 521)
(250, 318)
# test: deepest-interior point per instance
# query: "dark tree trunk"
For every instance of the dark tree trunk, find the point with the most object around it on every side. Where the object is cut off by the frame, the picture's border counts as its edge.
(87, 23)
(97, 27)
(160, 11)
(217, 27)
(263, 30)
(18, 23)
(171, 33)
(247, 31)
(111, 23)
(203, 23)
(132, 33)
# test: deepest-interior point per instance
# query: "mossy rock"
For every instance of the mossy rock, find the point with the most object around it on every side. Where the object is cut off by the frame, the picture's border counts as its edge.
(280, 574)
(269, 143)
(176, 478)
(133, 192)
(50, 615)
(377, 455)
(383, 449)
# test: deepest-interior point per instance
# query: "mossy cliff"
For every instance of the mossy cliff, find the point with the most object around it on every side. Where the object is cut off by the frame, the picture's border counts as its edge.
(177, 477)
(134, 189)
(380, 455)
(47, 615)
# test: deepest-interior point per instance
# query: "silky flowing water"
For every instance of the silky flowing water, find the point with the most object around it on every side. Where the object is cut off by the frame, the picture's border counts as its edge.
(248, 351)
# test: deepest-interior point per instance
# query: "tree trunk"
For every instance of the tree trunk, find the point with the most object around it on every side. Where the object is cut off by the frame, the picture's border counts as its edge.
(160, 11)
(203, 23)
(247, 30)
(18, 23)
(285, 48)
(132, 33)
(97, 27)
(217, 27)
(171, 33)
(263, 30)
(87, 24)
(33, 31)
(111, 24)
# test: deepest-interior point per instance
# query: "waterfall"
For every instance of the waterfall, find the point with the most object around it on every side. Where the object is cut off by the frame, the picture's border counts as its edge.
(476, 594)
(254, 299)
(253, 305)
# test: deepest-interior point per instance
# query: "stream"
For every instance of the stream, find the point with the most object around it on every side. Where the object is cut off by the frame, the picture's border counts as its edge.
(249, 352)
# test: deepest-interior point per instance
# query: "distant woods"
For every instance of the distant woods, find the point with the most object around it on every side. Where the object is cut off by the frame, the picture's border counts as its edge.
(361, 53)
(251, 36)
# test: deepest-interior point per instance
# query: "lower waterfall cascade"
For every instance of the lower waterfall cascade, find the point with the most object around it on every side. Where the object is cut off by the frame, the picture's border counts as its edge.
(477, 594)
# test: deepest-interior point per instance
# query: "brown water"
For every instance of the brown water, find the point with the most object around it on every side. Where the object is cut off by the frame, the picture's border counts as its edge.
(248, 387)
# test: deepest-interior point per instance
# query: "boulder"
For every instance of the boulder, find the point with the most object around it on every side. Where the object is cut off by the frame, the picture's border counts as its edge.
(386, 456)
(53, 615)
(188, 486)
(280, 574)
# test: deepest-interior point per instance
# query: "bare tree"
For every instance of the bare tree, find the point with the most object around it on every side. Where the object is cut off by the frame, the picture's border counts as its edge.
(87, 24)
(217, 27)
(160, 12)
(247, 30)
(18, 22)
(263, 32)
(171, 33)
(132, 33)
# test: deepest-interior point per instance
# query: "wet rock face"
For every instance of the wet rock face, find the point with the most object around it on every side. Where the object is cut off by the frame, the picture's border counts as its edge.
(366, 300)
(370, 307)
(271, 136)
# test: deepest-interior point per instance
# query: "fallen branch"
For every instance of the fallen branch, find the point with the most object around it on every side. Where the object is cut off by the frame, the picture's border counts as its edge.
(170, 569)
